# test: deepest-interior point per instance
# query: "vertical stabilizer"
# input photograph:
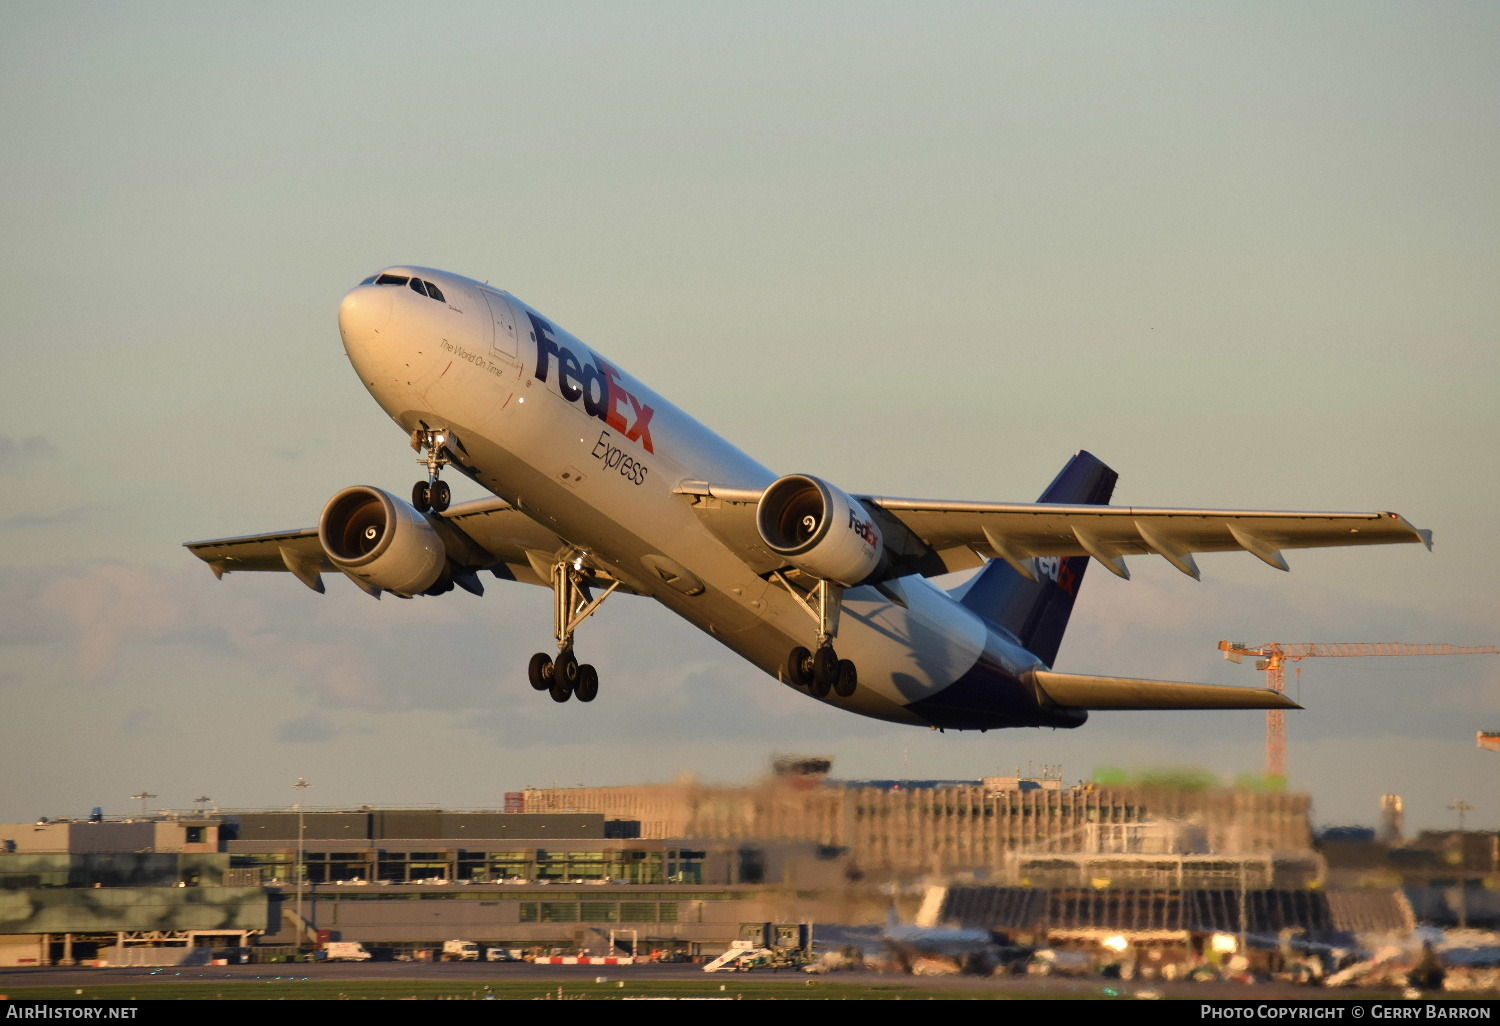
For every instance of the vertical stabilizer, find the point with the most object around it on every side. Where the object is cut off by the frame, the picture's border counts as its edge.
(1037, 611)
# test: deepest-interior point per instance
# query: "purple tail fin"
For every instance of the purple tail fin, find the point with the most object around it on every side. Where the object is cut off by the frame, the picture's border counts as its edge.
(1037, 612)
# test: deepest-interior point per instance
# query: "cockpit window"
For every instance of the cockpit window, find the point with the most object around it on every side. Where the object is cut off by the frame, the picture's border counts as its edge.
(418, 285)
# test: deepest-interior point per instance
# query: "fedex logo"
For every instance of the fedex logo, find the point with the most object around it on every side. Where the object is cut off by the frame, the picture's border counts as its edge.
(865, 529)
(596, 383)
(1058, 570)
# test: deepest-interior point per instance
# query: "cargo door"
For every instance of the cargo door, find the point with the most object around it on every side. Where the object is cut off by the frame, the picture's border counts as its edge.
(503, 343)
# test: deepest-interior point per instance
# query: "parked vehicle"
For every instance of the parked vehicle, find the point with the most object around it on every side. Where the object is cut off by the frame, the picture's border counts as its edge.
(460, 951)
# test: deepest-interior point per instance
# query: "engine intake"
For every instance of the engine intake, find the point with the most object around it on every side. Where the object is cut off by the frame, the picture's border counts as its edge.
(819, 529)
(383, 541)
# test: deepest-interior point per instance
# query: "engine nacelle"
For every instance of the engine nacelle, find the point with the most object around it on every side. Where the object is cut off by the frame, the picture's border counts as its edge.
(381, 540)
(819, 529)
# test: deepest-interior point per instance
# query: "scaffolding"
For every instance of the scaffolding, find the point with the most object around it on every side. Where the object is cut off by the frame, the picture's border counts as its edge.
(968, 827)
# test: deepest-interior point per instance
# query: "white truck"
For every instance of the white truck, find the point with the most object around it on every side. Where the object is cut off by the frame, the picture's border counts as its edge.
(460, 951)
(345, 951)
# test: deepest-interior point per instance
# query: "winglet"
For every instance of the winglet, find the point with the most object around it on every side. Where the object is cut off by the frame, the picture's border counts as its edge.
(1423, 535)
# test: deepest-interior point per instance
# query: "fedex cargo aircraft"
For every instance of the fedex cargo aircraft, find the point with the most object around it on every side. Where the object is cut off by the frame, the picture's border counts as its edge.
(601, 486)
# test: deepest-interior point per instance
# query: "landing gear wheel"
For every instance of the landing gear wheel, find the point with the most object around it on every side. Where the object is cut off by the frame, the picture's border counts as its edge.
(561, 690)
(540, 671)
(846, 680)
(565, 668)
(440, 495)
(799, 667)
(421, 496)
(588, 683)
(824, 669)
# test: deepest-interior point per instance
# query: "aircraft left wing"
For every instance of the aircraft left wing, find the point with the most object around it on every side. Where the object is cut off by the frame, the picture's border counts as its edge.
(936, 536)
(488, 534)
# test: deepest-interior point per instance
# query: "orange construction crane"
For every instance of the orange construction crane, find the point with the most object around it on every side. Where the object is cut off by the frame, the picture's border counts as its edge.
(1272, 657)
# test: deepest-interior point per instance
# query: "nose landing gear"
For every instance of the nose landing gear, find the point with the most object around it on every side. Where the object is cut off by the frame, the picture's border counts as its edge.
(432, 494)
(565, 677)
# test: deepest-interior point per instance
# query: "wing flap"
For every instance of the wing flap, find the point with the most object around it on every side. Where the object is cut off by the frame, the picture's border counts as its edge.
(1082, 691)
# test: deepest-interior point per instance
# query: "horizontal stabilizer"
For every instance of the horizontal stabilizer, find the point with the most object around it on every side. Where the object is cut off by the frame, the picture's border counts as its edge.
(1081, 691)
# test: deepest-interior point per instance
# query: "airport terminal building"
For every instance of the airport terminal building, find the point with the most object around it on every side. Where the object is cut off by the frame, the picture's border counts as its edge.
(400, 881)
(682, 868)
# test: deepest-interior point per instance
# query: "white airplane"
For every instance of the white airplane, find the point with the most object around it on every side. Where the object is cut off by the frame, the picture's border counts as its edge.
(602, 485)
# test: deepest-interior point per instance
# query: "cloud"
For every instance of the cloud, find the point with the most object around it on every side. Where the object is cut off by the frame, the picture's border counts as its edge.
(18, 455)
(32, 521)
(152, 722)
(108, 605)
(309, 729)
(22, 620)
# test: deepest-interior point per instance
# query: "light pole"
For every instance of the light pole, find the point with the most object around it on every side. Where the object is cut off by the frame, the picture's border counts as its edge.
(1460, 806)
(301, 785)
(144, 797)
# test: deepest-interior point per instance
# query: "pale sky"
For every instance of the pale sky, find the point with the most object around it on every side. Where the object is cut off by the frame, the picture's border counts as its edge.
(1244, 252)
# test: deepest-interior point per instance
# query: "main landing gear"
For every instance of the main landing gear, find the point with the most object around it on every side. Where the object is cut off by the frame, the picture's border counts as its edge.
(821, 670)
(565, 677)
(432, 494)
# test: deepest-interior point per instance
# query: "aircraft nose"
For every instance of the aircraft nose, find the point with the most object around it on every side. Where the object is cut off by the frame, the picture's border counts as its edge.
(364, 312)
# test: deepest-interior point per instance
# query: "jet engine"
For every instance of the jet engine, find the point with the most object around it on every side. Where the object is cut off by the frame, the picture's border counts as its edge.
(819, 529)
(384, 542)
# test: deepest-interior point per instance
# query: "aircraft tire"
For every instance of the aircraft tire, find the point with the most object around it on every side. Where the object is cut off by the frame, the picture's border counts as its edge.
(796, 667)
(846, 680)
(440, 495)
(421, 496)
(561, 690)
(539, 672)
(825, 670)
(566, 668)
(588, 683)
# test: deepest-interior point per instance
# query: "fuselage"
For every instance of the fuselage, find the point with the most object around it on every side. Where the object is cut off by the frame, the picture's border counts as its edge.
(596, 456)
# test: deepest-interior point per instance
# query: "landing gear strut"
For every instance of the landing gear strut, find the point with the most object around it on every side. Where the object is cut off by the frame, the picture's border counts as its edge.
(565, 677)
(432, 494)
(821, 670)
